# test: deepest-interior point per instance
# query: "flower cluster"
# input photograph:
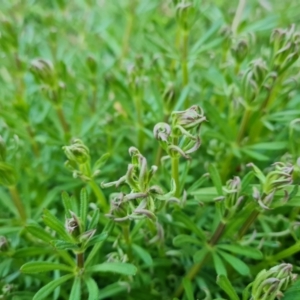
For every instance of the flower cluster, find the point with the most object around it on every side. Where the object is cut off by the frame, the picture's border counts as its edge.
(182, 137)
(140, 201)
(269, 284)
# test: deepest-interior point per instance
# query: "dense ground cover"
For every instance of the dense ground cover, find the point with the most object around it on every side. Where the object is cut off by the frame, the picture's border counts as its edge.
(149, 149)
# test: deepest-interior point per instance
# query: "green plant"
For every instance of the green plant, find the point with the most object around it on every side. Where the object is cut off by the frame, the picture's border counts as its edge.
(204, 95)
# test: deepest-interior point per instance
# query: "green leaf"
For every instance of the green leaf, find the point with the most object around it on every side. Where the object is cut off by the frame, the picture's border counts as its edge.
(94, 220)
(293, 292)
(92, 287)
(214, 114)
(31, 251)
(247, 179)
(39, 233)
(216, 178)
(200, 255)
(236, 263)
(198, 183)
(256, 155)
(67, 203)
(51, 286)
(76, 289)
(243, 250)
(43, 266)
(97, 239)
(51, 221)
(143, 254)
(258, 173)
(183, 95)
(83, 207)
(112, 290)
(271, 146)
(219, 265)
(183, 239)
(187, 221)
(101, 161)
(226, 286)
(246, 292)
(63, 245)
(188, 288)
(114, 267)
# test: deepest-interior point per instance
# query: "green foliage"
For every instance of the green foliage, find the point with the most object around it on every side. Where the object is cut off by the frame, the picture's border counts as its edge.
(204, 96)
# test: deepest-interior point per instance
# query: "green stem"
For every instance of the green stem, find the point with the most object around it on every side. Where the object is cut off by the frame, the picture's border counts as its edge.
(175, 174)
(197, 267)
(139, 116)
(285, 253)
(126, 234)
(192, 274)
(128, 31)
(184, 63)
(62, 120)
(243, 126)
(80, 260)
(253, 216)
(99, 194)
(18, 203)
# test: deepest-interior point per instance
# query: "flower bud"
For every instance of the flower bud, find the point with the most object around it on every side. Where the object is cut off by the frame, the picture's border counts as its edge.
(77, 152)
(92, 64)
(259, 70)
(279, 178)
(72, 225)
(249, 87)
(269, 284)
(162, 132)
(240, 50)
(190, 118)
(232, 190)
(185, 15)
(43, 70)
(3, 244)
(7, 289)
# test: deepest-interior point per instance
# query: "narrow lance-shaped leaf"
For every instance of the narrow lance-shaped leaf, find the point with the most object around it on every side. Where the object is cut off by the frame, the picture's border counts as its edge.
(112, 290)
(181, 217)
(114, 267)
(43, 266)
(39, 233)
(55, 224)
(92, 288)
(219, 265)
(215, 177)
(83, 207)
(188, 288)
(94, 220)
(50, 287)
(143, 254)
(200, 255)
(76, 289)
(236, 263)
(67, 204)
(243, 251)
(183, 239)
(226, 286)
(101, 161)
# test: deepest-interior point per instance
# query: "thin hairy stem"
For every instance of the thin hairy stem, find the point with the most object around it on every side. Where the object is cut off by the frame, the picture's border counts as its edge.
(197, 267)
(80, 260)
(99, 195)
(18, 203)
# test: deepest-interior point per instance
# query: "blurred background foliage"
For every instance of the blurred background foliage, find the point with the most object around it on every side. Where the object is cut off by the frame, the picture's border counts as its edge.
(107, 71)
